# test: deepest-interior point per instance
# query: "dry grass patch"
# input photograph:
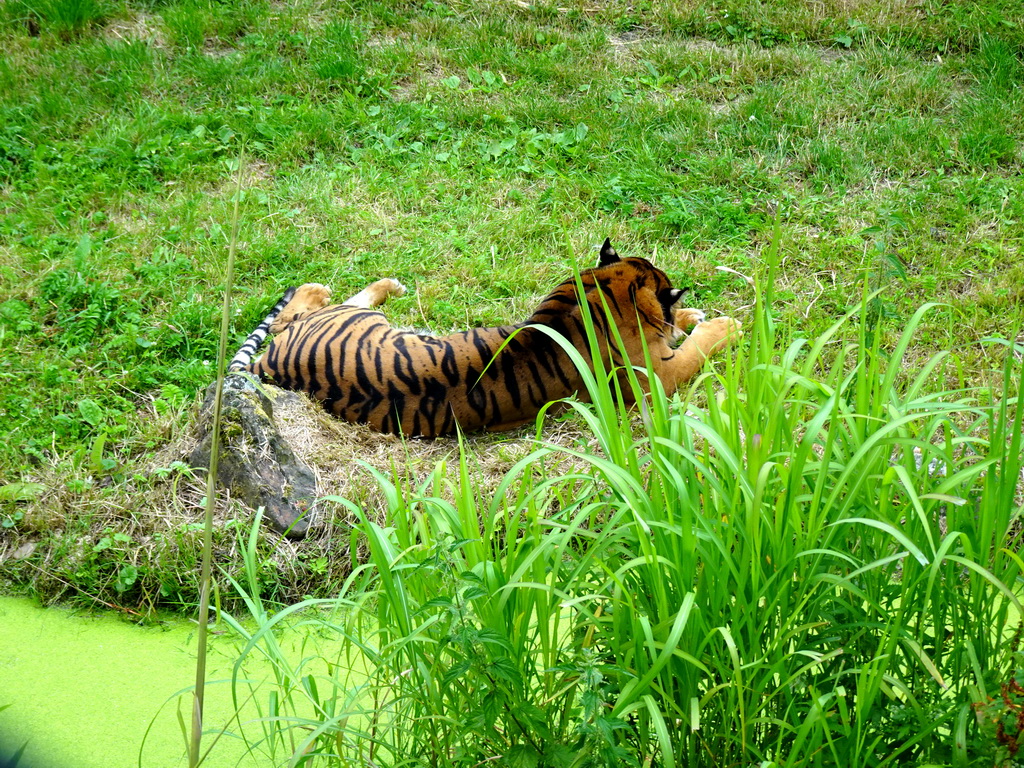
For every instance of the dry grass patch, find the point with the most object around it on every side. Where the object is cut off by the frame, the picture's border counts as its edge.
(137, 27)
(341, 453)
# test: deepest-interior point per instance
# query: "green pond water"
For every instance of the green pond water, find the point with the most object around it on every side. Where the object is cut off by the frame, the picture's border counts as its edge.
(82, 689)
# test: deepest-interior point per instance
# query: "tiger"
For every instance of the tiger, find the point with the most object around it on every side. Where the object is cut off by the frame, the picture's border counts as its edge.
(362, 369)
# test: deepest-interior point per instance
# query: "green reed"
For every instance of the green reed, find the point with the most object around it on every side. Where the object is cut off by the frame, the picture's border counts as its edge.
(809, 558)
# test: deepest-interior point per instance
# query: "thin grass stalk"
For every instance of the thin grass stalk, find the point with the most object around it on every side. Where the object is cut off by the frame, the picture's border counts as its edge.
(211, 485)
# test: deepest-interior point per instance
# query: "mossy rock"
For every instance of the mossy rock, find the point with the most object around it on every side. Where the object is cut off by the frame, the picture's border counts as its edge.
(256, 464)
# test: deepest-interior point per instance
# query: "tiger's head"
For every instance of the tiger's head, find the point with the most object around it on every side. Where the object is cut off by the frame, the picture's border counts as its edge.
(632, 293)
(640, 276)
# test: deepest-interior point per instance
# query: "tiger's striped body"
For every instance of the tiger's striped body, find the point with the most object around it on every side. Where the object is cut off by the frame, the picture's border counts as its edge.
(349, 357)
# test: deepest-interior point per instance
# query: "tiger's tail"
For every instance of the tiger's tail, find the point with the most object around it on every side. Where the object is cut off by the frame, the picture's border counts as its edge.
(252, 344)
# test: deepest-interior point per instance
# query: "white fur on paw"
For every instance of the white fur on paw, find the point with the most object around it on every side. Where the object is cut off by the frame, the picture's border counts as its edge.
(396, 289)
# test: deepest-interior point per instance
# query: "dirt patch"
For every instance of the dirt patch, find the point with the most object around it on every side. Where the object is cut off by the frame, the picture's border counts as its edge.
(216, 49)
(832, 55)
(75, 542)
(255, 174)
(141, 26)
(622, 42)
(722, 106)
(129, 220)
(426, 77)
(384, 40)
(705, 44)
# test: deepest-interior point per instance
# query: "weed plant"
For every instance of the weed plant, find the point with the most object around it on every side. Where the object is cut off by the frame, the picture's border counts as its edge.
(797, 563)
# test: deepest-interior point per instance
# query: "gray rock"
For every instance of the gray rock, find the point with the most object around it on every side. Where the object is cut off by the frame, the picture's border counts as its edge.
(256, 463)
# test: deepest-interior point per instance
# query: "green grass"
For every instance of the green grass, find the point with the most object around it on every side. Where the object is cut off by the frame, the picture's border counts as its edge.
(441, 144)
(761, 573)
(384, 138)
(438, 144)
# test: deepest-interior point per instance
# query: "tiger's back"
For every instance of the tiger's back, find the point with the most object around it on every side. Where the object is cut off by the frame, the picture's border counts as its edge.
(363, 370)
(367, 372)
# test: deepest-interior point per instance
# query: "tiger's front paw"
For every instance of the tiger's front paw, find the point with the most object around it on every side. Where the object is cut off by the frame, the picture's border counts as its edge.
(714, 335)
(684, 321)
(376, 293)
(687, 319)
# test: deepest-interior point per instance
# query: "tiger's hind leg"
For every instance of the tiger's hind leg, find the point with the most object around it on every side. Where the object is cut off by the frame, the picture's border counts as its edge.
(308, 298)
(375, 294)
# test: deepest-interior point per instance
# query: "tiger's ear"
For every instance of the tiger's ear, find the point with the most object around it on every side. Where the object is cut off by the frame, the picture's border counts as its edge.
(608, 254)
(670, 296)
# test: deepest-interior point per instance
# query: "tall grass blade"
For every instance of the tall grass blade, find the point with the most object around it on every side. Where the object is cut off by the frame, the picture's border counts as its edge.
(211, 484)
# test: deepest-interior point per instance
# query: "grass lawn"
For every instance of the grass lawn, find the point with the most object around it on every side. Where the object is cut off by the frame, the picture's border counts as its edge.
(463, 148)
(477, 152)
